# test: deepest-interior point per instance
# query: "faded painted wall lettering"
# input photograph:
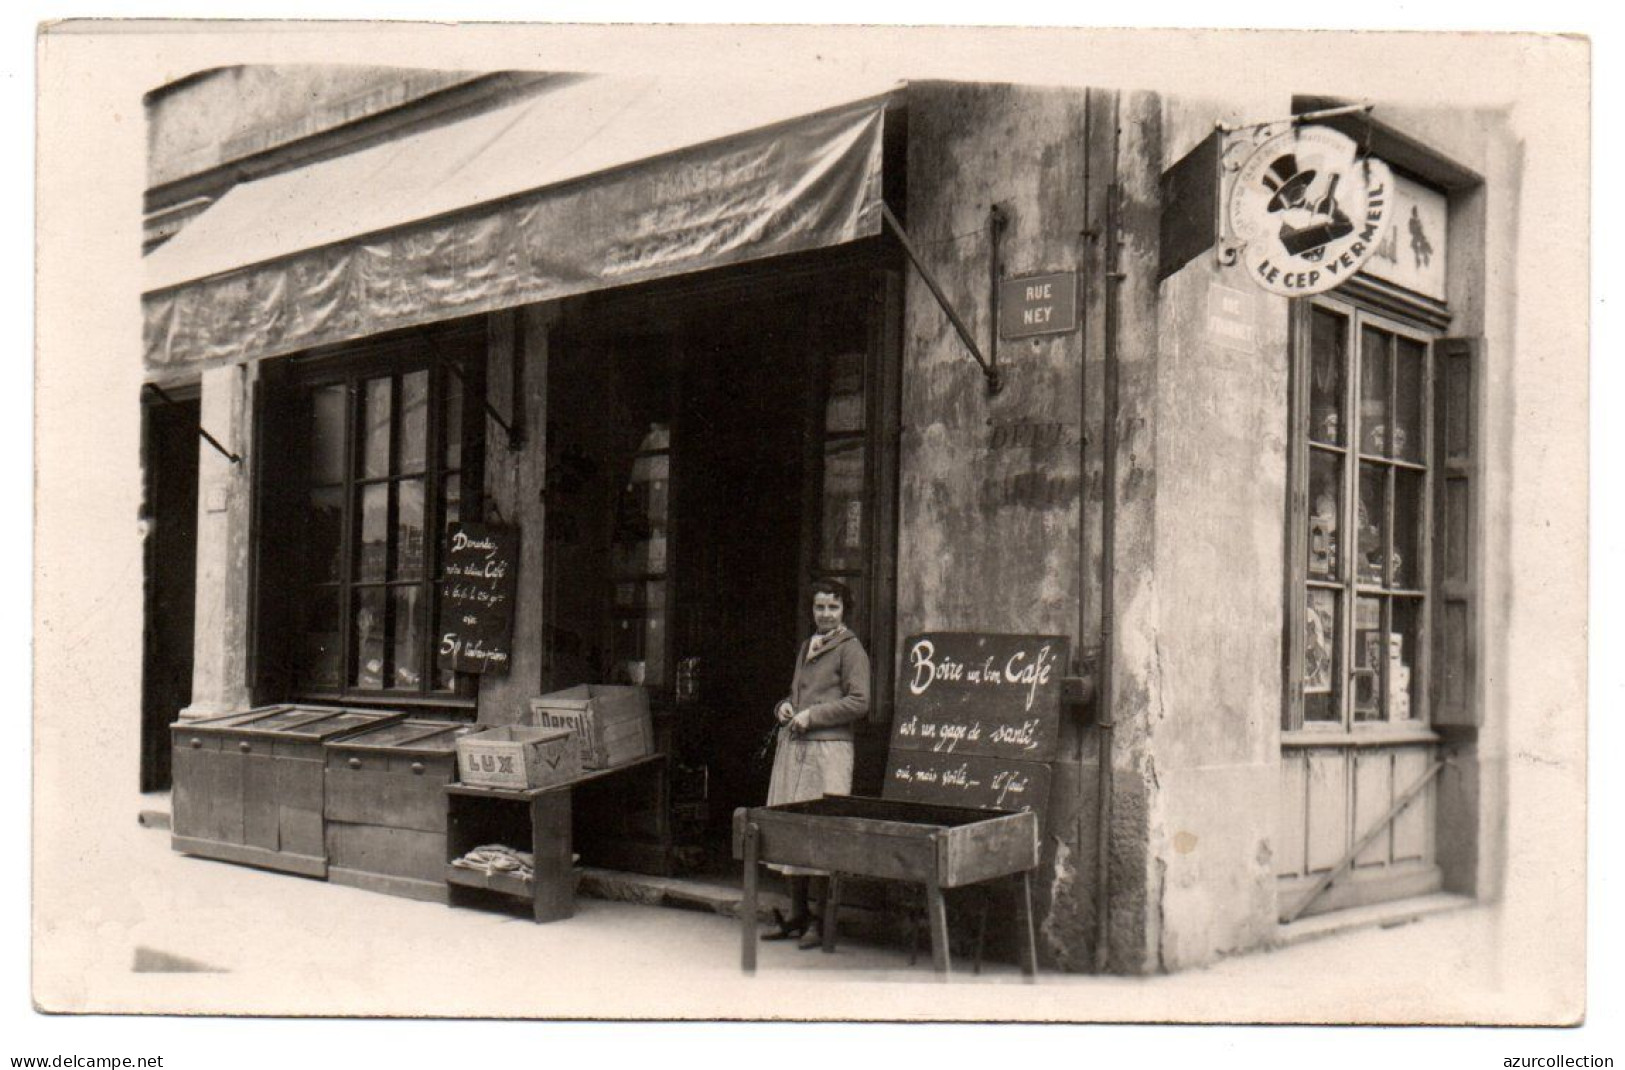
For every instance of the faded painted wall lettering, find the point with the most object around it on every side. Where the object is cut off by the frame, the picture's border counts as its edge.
(1033, 489)
(1033, 434)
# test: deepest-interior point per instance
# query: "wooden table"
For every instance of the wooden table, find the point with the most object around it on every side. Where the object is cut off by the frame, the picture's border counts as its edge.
(940, 847)
(540, 817)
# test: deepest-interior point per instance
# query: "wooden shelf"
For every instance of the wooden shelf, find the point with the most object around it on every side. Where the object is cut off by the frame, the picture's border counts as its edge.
(505, 883)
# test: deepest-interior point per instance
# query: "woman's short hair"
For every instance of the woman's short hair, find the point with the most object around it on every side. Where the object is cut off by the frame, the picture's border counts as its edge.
(834, 587)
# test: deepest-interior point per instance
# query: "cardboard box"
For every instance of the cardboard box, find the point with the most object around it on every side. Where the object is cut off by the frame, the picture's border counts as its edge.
(518, 757)
(612, 721)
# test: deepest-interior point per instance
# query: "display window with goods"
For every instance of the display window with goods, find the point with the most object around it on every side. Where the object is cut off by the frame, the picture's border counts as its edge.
(1379, 642)
(367, 458)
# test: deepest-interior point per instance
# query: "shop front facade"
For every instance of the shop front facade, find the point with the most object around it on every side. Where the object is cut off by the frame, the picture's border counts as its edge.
(702, 371)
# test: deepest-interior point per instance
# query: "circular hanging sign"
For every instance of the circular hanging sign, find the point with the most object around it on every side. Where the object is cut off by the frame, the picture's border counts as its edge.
(1309, 209)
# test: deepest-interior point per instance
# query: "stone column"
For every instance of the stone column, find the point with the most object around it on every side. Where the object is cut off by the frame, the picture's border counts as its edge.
(224, 545)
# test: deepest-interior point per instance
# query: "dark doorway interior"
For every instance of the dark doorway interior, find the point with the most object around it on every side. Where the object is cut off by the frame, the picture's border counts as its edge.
(740, 498)
(170, 438)
(677, 537)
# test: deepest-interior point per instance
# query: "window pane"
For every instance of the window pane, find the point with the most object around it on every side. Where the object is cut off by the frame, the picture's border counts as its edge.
(409, 530)
(843, 411)
(414, 421)
(408, 630)
(1325, 509)
(374, 532)
(1409, 366)
(639, 651)
(1329, 344)
(1408, 514)
(369, 637)
(1373, 391)
(1404, 703)
(327, 434)
(843, 506)
(319, 669)
(451, 498)
(375, 423)
(1369, 654)
(1369, 564)
(1320, 656)
(454, 420)
(324, 534)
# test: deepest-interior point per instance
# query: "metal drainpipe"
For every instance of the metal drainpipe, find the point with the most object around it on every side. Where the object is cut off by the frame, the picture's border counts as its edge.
(1108, 573)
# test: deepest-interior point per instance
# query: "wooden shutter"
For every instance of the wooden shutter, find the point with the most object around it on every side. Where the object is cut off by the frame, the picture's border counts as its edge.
(280, 433)
(1456, 542)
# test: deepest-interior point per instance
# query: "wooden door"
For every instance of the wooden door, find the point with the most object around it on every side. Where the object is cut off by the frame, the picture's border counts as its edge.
(170, 435)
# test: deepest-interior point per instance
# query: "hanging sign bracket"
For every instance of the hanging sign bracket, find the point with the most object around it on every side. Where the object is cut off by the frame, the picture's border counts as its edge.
(515, 439)
(210, 439)
(1233, 152)
(990, 370)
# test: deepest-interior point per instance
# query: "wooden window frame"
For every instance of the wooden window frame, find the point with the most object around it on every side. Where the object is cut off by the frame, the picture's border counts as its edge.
(1357, 314)
(296, 383)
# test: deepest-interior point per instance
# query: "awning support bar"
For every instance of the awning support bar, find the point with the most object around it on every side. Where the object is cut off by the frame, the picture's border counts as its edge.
(515, 439)
(210, 439)
(991, 371)
(1365, 841)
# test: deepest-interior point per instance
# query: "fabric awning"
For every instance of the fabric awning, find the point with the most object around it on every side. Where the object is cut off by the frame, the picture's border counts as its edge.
(602, 182)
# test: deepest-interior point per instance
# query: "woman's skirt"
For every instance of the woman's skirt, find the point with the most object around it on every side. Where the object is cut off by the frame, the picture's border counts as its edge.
(808, 769)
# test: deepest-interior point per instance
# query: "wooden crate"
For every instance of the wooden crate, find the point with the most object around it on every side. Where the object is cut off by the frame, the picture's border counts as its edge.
(249, 787)
(949, 846)
(613, 721)
(386, 807)
(518, 757)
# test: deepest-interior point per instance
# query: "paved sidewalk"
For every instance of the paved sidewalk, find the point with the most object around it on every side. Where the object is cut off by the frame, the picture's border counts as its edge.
(175, 934)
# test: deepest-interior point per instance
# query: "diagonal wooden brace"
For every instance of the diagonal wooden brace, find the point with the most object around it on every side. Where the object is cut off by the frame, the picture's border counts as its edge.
(1372, 833)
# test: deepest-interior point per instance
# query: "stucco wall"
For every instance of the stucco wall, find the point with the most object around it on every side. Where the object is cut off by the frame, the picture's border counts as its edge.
(233, 112)
(1000, 496)
(1219, 405)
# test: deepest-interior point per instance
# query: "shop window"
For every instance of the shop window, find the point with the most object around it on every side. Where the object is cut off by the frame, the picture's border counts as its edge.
(1365, 527)
(368, 459)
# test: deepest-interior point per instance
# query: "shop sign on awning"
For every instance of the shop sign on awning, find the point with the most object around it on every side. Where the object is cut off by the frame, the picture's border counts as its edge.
(602, 183)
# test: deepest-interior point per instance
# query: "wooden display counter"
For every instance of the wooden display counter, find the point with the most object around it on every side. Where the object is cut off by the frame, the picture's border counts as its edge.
(249, 787)
(386, 807)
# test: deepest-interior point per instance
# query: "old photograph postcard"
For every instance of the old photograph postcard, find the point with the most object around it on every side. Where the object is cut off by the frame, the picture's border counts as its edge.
(868, 524)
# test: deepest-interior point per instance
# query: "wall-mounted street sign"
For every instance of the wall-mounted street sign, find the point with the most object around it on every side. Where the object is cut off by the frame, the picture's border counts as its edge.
(1038, 304)
(1310, 210)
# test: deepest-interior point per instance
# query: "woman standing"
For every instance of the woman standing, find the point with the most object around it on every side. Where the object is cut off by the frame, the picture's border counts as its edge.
(829, 691)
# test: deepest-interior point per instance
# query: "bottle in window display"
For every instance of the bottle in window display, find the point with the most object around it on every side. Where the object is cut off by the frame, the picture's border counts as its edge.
(1370, 547)
(1323, 535)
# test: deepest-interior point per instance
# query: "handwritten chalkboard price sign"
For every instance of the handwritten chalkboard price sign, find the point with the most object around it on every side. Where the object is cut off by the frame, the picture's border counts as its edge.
(977, 720)
(477, 597)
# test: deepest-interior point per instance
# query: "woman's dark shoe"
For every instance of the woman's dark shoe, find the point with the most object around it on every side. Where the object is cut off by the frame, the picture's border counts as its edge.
(788, 929)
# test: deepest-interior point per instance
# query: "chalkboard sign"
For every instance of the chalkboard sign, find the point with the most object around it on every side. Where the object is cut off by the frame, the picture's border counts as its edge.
(994, 696)
(967, 780)
(477, 597)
